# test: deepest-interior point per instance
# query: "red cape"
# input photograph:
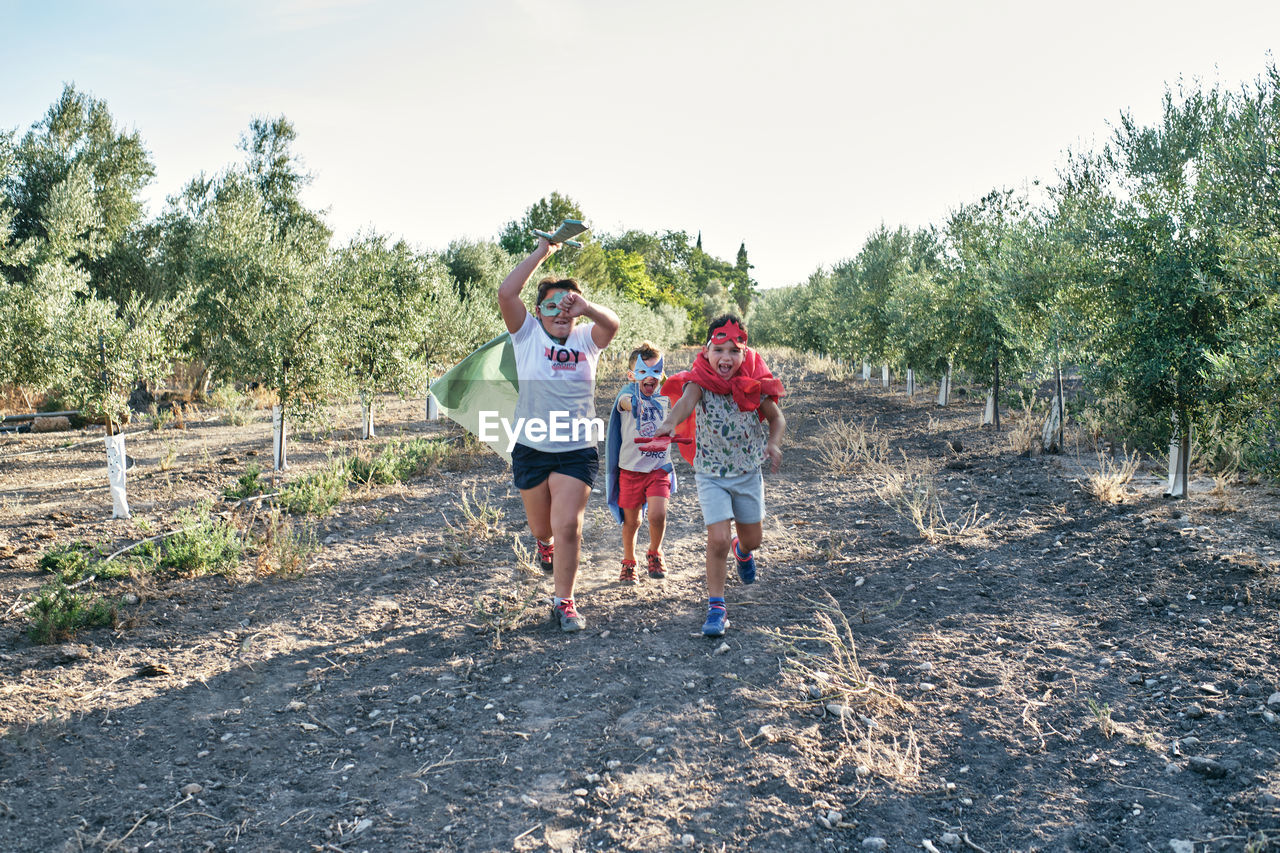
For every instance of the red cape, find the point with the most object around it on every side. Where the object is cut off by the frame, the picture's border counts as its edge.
(752, 383)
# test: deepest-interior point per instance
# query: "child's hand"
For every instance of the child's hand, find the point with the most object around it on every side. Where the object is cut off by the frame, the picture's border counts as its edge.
(573, 305)
(774, 452)
(665, 428)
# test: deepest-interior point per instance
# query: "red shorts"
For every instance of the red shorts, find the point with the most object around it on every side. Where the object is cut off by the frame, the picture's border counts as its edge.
(634, 487)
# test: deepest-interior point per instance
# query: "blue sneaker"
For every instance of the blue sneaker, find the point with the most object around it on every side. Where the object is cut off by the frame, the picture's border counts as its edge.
(746, 565)
(716, 621)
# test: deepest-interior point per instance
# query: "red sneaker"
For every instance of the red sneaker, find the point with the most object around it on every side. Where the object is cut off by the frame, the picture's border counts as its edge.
(628, 573)
(570, 621)
(546, 550)
(657, 570)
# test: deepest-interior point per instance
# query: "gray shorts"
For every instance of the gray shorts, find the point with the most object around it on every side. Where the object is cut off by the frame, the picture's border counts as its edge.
(739, 498)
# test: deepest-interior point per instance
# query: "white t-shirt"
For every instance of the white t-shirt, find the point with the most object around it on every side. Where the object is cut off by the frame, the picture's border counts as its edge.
(556, 409)
(653, 411)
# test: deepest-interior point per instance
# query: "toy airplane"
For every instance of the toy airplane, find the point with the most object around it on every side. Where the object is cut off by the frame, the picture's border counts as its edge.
(655, 443)
(568, 229)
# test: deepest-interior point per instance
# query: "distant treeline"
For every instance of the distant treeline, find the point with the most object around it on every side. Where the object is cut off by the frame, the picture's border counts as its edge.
(236, 281)
(1152, 265)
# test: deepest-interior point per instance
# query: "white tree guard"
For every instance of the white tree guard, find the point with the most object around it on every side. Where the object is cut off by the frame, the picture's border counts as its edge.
(433, 408)
(279, 458)
(366, 417)
(1052, 424)
(911, 384)
(884, 376)
(989, 416)
(1177, 477)
(866, 372)
(944, 388)
(115, 476)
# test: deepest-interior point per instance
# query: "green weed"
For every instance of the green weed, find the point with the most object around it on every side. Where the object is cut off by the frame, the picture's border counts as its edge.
(249, 484)
(78, 560)
(1102, 716)
(397, 461)
(203, 546)
(158, 418)
(236, 408)
(316, 494)
(60, 613)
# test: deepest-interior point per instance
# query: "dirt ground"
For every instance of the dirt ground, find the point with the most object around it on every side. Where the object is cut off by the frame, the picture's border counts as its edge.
(1077, 676)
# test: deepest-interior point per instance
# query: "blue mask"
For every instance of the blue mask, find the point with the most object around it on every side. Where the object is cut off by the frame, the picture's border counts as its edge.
(643, 371)
(551, 307)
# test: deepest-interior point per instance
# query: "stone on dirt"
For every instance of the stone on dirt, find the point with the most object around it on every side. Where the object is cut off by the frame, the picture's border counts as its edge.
(1207, 767)
(874, 842)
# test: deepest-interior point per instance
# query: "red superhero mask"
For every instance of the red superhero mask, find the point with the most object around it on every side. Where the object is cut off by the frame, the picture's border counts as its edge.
(729, 331)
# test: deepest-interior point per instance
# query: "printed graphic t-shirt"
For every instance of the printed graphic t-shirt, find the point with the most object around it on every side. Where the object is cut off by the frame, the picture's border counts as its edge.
(557, 388)
(642, 424)
(729, 441)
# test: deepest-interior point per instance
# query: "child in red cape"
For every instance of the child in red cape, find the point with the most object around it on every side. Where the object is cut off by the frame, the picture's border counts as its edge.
(728, 401)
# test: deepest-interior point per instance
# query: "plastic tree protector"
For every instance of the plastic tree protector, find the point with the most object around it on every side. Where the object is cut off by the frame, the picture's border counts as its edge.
(115, 475)
(944, 388)
(884, 376)
(366, 416)
(1052, 423)
(278, 458)
(433, 407)
(911, 384)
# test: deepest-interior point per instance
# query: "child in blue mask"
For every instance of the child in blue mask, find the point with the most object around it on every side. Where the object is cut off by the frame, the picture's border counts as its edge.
(639, 475)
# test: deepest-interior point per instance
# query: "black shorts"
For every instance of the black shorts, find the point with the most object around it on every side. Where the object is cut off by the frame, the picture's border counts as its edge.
(532, 467)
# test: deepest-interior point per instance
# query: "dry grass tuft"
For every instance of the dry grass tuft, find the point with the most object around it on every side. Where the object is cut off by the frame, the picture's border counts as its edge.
(1024, 435)
(844, 444)
(1109, 483)
(509, 605)
(286, 546)
(909, 490)
(821, 668)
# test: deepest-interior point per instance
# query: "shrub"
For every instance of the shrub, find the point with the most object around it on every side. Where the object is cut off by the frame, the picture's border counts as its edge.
(247, 486)
(397, 461)
(76, 561)
(236, 408)
(316, 494)
(60, 613)
(204, 546)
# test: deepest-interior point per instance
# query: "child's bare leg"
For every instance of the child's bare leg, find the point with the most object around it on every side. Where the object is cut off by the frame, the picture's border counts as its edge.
(568, 506)
(750, 536)
(719, 538)
(657, 524)
(630, 527)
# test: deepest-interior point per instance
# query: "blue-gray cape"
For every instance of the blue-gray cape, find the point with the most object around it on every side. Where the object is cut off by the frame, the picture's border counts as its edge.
(612, 453)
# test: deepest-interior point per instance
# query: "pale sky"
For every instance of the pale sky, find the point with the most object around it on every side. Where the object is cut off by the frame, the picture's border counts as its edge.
(796, 127)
